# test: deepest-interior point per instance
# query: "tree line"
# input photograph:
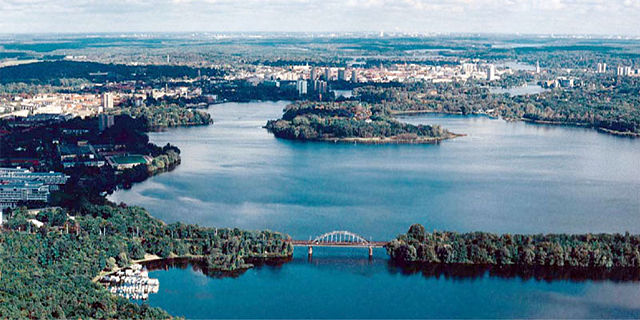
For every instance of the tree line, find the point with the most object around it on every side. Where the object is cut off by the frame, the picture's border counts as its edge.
(47, 272)
(480, 248)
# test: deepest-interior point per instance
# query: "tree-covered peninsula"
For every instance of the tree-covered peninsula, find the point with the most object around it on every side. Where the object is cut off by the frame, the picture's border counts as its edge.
(350, 122)
(47, 271)
(479, 248)
(51, 258)
(608, 104)
(165, 115)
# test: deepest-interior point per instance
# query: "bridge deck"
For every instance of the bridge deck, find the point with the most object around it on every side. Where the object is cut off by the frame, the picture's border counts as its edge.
(306, 243)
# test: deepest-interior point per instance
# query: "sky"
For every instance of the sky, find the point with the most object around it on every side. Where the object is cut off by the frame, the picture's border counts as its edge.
(602, 17)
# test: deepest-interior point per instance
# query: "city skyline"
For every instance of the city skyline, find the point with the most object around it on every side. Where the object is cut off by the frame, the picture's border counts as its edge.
(596, 17)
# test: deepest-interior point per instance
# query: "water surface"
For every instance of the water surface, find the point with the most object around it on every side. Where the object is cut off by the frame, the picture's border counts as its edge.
(502, 177)
(345, 284)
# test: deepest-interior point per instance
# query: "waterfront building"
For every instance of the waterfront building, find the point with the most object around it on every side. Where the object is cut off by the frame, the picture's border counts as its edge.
(602, 67)
(537, 66)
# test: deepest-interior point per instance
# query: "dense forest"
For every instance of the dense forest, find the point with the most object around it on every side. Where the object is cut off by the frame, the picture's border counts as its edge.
(609, 104)
(336, 121)
(479, 248)
(47, 272)
(166, 115)
(50, 72)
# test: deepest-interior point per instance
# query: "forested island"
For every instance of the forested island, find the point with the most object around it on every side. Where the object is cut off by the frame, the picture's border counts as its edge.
(587, 251)
(610, 105)
(350, 122)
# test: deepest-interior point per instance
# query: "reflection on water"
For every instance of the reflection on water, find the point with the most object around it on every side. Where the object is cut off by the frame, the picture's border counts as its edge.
(341, 283)
(546, 273)
(502, 177)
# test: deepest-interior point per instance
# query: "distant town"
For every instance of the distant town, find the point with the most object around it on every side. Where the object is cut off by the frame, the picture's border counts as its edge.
(80, 118)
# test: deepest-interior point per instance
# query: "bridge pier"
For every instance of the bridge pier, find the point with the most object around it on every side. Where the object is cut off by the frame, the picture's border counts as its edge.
(310, 251)
(370, 252)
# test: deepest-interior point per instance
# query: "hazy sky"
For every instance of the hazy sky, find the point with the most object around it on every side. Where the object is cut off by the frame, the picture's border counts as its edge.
(482, 16)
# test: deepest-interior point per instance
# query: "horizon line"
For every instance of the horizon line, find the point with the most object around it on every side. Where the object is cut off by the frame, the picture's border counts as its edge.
(380, 33)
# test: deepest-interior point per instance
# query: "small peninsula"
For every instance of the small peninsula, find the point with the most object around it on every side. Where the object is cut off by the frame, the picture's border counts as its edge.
(351, 122)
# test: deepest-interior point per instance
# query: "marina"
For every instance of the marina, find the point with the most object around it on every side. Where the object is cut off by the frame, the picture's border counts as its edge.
(131, 283)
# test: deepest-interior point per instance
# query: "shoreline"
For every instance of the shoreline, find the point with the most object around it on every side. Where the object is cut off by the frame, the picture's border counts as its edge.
(539, 272)
(147, 258)
(388, 140)
(150, 259)
(458, 113)
(514, 119)
(579, 125)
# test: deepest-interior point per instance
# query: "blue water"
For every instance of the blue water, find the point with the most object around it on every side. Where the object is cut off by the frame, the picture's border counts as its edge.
(502, 177)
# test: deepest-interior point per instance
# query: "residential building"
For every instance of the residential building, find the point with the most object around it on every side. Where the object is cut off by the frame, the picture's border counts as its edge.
(312, 75)
(105, 121)
(468, 68)
(53, 179)
(301, 87)
(602, 67)
(491, 72)
(107, 101)
(342, 75)
(15, 192)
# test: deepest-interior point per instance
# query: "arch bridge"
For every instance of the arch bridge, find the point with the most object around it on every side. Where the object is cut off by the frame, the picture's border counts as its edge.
(345, 239)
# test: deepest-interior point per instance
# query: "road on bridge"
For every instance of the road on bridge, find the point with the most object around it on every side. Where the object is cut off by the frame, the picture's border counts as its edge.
(344, 239)
(307, 243)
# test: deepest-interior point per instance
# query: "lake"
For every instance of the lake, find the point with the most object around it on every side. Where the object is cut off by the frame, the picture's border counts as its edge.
(502, 177)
